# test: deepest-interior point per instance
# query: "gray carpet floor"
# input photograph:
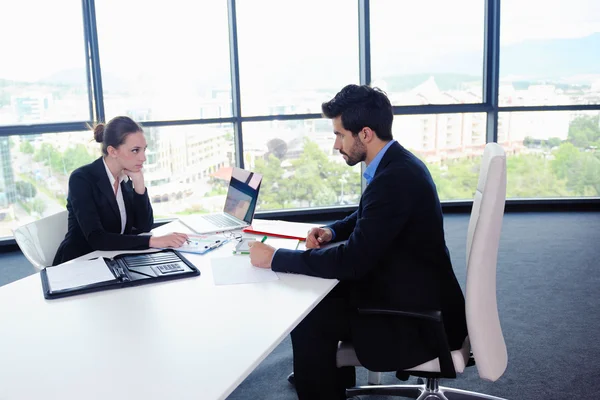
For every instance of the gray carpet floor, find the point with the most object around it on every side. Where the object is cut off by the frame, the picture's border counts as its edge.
(549, 303)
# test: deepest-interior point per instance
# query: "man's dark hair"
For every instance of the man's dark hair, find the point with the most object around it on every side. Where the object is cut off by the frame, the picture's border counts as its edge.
(360, 107)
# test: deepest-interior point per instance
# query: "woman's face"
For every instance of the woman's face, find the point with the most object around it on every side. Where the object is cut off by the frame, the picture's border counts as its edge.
(132, 153)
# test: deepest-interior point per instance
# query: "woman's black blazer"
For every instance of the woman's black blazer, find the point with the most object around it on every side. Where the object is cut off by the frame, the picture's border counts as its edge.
(94, 218)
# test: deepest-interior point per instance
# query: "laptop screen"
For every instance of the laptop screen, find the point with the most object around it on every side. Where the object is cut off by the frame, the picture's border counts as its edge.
(242, 195)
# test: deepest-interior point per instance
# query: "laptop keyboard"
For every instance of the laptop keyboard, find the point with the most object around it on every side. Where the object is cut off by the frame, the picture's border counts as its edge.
(220, 220)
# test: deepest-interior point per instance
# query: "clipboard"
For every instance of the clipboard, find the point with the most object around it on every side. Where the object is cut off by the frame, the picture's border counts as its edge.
(125, 270)
(201, 244)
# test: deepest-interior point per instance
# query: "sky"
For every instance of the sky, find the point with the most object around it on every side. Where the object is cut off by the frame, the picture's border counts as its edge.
(179, 38)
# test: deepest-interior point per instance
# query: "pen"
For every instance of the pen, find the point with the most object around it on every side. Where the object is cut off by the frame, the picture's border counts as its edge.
(263, 239)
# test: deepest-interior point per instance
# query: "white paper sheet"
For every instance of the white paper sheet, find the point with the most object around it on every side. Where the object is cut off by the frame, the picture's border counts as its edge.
(281, 243)
(78, 273)
(237, 269)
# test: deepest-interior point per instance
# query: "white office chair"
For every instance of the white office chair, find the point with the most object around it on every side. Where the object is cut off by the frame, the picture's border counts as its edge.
(485, 334)
(39, 240)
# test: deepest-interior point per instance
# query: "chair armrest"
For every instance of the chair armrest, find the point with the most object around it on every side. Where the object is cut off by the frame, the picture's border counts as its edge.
(435, 320)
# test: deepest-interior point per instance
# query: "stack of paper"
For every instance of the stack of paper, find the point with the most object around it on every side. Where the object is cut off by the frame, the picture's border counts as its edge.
(291, 230)
(78, 273)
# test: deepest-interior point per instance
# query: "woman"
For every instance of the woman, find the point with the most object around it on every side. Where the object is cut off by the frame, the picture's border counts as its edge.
(108, 201)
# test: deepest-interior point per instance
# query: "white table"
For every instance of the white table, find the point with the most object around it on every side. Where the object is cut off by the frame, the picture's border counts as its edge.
(183, 339)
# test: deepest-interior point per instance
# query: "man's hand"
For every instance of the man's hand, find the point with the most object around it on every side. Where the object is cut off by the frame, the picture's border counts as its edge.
(261, 254)
(318, 236)
(137, 177)
(170, 240)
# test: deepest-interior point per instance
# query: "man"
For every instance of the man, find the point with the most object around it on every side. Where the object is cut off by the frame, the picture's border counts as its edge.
(395, 257)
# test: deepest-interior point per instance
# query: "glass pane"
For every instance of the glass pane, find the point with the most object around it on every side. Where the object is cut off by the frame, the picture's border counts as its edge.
(299, 165)
(34, 174)
(549, 55)
(42, 73)
(165, 62)
(291, 62)
(428, 52)
(187, 168)
(551, 153)
(450, 144)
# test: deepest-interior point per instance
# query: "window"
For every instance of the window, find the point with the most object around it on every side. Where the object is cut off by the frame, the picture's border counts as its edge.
(452, 151)
(187, 168)
(42, 73)
(299, 165)
(551, 153)
(164, 61)
(549, 55)
(428, 52)
(295, 54)
(34, 174)
(167, 64)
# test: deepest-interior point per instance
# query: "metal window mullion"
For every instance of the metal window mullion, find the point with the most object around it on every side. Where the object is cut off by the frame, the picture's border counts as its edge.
(491, 67)
(364, 58)
(364, 41)
(236, 107)
(87, 50)
(58, 127)
(95, 62)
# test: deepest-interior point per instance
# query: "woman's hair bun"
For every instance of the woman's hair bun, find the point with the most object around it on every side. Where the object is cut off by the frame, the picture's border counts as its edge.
(99, 133)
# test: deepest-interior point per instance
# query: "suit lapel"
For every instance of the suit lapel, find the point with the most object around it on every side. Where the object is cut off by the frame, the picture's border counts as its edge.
(388, 157)
(127, 190)
(105, 187)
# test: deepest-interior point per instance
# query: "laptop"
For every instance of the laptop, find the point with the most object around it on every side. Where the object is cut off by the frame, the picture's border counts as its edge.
(238, 211)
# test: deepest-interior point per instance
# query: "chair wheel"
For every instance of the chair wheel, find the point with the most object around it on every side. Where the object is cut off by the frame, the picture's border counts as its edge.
(291, 379)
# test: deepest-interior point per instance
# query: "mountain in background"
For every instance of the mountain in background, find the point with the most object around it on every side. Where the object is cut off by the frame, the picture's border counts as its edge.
(552, 60)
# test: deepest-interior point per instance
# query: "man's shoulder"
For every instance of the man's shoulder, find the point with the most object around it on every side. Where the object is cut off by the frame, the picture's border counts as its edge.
(403, 164)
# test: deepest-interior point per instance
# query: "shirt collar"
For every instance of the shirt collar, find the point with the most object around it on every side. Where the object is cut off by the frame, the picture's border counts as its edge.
(372, 168)
(111, 178)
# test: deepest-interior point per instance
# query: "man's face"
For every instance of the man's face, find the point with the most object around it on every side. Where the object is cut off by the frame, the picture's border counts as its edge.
(350, 146)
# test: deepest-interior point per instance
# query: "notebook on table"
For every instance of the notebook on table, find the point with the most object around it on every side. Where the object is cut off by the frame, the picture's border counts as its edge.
(124, 270)
(238, 211)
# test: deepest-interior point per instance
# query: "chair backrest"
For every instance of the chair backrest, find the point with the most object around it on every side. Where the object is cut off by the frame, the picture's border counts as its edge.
(483, 238)
(40, 239)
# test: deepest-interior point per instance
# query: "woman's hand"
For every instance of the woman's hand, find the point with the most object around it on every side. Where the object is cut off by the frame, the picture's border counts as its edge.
(137, 177)
(170, 240)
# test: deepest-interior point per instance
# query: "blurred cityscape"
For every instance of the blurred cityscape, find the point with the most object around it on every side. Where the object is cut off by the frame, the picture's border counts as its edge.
(188, 166)
(553, 153)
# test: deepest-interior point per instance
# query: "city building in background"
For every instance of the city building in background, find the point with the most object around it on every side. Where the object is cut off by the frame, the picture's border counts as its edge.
(177, 83)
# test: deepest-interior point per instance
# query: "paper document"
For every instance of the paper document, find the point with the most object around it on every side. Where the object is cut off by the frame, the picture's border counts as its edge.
(78, 273)
(237, 269)
(286, 229)
(281, 243)
(201, 244)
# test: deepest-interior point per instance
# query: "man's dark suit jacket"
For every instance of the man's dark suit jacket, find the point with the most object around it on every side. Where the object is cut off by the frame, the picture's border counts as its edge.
(94, 218)
(395, 257)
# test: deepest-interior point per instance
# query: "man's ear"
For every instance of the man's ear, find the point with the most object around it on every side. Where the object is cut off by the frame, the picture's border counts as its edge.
(366, 134)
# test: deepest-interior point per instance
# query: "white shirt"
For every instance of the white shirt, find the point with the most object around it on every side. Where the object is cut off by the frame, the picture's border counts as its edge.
(119, 194)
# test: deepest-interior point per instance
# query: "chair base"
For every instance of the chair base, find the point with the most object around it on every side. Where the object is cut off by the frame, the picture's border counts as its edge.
(428, 391)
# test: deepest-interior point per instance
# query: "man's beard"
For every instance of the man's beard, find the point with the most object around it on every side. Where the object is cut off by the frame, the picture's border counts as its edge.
(358, 153)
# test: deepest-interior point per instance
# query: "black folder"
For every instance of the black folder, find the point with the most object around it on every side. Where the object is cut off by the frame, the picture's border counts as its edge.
(130, 270)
